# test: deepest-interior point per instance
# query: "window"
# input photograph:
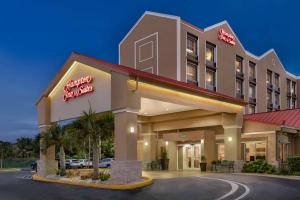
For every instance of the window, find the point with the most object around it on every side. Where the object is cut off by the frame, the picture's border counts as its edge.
(277, 80)
(210, 52)
(269, 77)
(191, 72)
(277, 101)
(221, 153)
(191, 44)
(239, 64)
(251, 91)
(210, 79)
(251, 109)
(288, 85)
(294, 103)
(252, 70)
(288, 102)
(293, 91)
(255, 151)
(239, 88)
(269, 97)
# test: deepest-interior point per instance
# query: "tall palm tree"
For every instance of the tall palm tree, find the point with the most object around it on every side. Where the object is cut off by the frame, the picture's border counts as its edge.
(58, 136)
(97, 129)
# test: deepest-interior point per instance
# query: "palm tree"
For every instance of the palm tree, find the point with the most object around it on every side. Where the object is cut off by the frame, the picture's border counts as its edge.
(58, 136)
(97, 129)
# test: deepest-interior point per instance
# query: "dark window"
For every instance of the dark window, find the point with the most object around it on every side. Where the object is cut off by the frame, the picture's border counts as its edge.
(288, 102)
(277, 82)
(239, 88)
(269, 77)
(293, 91)
(288, 85)
(252, 70)
(294, 103)
(269, 97)
(251, 91)
(277, 99)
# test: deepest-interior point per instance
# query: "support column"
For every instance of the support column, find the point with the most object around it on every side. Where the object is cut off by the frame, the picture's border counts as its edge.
(47, 165)
(232, 142)
(209, 144)
(125, 105)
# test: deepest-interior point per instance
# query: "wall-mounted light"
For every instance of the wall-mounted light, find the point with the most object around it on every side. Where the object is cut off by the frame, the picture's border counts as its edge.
(166, 142)
(202, 141)
(229, 139)
(146, 143)
(131, 129)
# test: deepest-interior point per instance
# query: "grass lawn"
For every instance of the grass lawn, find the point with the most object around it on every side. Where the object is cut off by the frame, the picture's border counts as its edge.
(9, 169)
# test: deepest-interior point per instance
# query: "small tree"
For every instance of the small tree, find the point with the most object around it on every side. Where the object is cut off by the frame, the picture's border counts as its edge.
(58, 136)
(97, 128)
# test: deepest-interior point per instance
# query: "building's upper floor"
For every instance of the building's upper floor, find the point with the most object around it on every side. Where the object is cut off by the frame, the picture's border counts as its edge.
(211, 58)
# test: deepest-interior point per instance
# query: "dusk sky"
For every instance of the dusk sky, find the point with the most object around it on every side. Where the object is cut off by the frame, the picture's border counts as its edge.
(36, 38)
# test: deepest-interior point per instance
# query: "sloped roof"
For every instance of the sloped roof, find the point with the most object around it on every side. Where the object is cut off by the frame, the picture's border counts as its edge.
(98, 63)
(288, 118)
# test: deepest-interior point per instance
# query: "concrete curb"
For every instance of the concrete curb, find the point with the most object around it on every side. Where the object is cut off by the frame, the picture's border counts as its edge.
(271, 176)
(146, 181)
(10, 170)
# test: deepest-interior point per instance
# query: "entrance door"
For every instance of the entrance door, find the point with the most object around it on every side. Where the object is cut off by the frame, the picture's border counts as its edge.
(191, 156)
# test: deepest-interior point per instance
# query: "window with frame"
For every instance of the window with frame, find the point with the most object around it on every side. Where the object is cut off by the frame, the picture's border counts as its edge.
(239, 87)
(288, 85)
(252, 70)
(288, 102)
(277, 99)
(239, 64)
(210, 79)
(293, 103)
(251, 109)
(269, 97)
(251, 91)
(277, 82)
(192, 41)
(255, 151)
(269, 77)
(210, 52)
(191, 73)
(293, 91)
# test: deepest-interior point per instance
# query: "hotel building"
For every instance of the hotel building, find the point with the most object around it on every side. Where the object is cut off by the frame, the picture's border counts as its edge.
(188, 90)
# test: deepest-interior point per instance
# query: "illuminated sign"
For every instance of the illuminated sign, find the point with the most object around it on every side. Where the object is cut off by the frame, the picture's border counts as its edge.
(226, 37)
(78, 88)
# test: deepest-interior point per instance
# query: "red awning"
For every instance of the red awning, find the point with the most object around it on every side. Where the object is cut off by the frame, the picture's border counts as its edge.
(288, 118)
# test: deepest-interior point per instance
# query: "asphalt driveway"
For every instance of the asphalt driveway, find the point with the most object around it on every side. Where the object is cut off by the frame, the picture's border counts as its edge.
(18, 185)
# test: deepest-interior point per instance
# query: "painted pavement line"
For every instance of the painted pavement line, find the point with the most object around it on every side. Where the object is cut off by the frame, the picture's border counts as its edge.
(234, 188)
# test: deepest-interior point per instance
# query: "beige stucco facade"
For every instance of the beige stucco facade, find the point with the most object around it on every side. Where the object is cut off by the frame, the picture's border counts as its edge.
(155, 109)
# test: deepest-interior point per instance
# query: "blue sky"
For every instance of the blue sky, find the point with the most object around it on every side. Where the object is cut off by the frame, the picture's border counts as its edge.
(36, 37)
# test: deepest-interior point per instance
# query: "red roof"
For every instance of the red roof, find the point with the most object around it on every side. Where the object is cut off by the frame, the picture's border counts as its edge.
(163, 80)
(289, 117)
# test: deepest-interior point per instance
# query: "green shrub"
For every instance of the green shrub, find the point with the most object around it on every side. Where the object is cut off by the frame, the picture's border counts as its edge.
(294, 164)
(104, 176)
(258, 166)
(297, 173)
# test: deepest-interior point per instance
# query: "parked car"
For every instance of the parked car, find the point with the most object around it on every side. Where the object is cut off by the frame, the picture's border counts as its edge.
(69, 163)
(105, 163)
(85, 163)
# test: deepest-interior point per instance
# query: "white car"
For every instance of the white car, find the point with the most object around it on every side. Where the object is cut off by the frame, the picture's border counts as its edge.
(69, 163)
(105, 163)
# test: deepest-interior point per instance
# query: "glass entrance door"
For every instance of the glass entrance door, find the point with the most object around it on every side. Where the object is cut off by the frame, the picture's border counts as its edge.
(191, 156)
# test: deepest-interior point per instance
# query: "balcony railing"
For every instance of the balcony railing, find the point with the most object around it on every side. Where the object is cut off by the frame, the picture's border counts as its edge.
(252, 100)
(270, 105)
(294, 96)
(211, 87)
(277, 106)
(289, 94)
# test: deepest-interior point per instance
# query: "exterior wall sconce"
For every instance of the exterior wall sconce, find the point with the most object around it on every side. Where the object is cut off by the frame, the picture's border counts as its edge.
(131, 129)
(146, 143)
(202, 141)
(229, 139)
(167, 143)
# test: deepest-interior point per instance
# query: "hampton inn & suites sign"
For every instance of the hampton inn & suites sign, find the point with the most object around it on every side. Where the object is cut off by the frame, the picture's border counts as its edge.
(78, 87)
(226, 37)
